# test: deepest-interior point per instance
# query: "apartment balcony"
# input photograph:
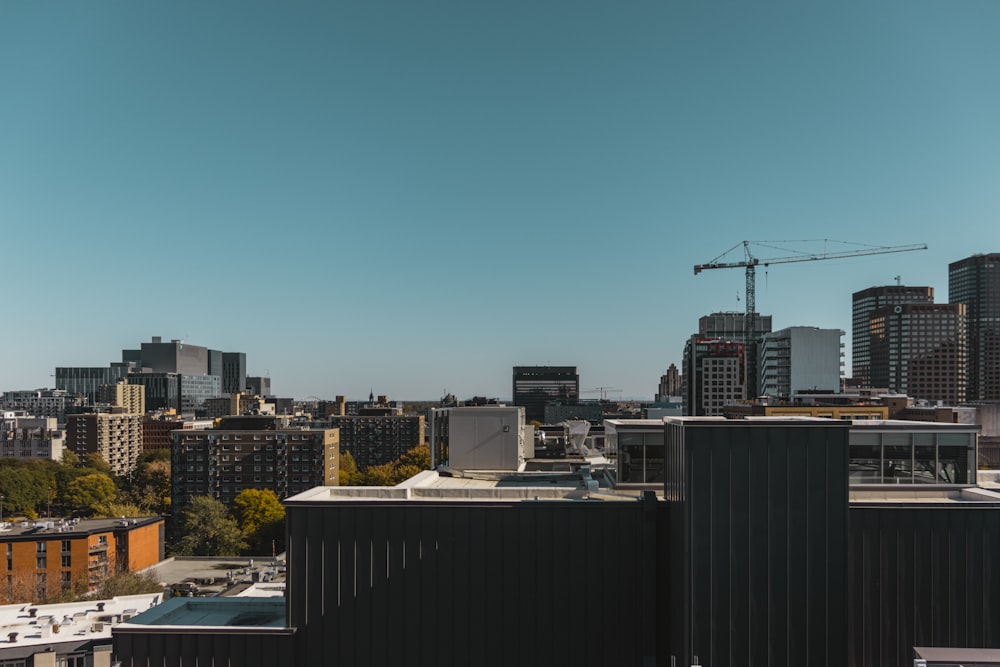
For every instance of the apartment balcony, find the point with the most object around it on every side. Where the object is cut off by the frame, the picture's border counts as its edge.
(98, 548)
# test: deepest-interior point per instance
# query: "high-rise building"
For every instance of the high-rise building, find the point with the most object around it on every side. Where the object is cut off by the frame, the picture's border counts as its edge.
(234, 372)
(163, 390)
(800, 359)
(252, 452)
(117, 438)
(733, 326)
(865, 303)
(129, 398)
(534, 386)
(173, 357)
(377, 439)
(195, 389)
(715, 374)
(88, 381)
(920, 350)
(975, 282)
(259, 385)
(670, 384)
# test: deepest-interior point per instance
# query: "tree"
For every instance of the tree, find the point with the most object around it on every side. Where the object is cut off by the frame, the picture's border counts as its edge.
(90, 491)
(148, 485)
(23, 485)
(261, 517)
(113, 510)
(206, 529)
(349, 475)
(96, 462)
(406, 466)
(129, 583)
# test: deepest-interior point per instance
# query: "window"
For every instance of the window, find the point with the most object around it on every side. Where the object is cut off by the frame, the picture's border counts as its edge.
(67, 560)
(41, 551)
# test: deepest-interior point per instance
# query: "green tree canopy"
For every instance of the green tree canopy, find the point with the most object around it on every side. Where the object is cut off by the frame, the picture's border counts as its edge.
(89, 491)
(23, 486)
(206, 529)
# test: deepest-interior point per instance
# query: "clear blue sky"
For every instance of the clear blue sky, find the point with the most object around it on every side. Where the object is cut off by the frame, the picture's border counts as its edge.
(417, 196)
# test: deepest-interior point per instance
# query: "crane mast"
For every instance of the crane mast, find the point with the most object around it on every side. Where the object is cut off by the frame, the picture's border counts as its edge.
(750, 264)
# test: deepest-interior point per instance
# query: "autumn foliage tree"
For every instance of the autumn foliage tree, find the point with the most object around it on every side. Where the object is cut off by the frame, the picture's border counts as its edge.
(261, 517)
(400, 470)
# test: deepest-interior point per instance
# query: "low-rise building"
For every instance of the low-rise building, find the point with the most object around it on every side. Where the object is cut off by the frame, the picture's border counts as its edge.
(68, 634)
(27, 437)
(45, 558)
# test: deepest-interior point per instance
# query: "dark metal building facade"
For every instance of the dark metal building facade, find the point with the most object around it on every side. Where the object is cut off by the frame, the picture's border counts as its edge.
(922, 576)
(474, 583)
(757, 541)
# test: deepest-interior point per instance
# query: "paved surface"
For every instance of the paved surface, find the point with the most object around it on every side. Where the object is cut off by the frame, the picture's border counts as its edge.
(213, 575)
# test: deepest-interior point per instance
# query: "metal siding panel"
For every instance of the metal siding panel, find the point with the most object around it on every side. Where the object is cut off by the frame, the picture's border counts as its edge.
(545, 599)
(364, 575)
(462, 589)
(492, 613)
(238, 651)
(510, 576)
(346, 615)
(758, 561)
(314, 597)
(777, 574)
(394, 614)
(741, 505)
(444, 618)
(189, 650)
(838, 535)
(699, 500)
(123, 647)
(720, 554)
(206, 649)
(798, 629)
(428, 582)
(412, 602)
(817, 595)
(296, 565)
(375, 614)
(528, 531)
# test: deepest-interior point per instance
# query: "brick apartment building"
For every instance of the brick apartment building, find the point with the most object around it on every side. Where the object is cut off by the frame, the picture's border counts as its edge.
(252, 452)
(44, 558)
(117, 438)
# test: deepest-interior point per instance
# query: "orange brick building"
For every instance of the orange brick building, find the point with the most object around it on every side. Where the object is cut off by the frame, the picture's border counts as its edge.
(44, 558)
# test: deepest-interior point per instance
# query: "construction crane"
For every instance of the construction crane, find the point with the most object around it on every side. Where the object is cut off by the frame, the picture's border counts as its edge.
(751, 262)
(603, 391)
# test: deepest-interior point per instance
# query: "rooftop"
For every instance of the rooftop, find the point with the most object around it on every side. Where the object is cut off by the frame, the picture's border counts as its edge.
(67, 623)
(590, 482)
(72, 527)
(257, 612)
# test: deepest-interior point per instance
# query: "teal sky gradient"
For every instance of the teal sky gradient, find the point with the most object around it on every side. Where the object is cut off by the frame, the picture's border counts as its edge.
(417, 196)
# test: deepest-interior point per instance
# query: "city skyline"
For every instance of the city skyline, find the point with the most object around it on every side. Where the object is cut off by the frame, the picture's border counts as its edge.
(415, 199)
